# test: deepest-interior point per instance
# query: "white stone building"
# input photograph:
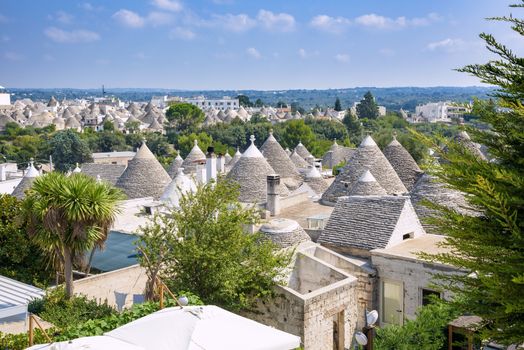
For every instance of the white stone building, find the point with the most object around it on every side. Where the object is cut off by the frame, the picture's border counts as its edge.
(439, 112)
(220, 104)
(5, 97)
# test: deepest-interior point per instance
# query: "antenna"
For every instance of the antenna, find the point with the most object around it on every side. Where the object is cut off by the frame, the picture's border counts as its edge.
(103, 91)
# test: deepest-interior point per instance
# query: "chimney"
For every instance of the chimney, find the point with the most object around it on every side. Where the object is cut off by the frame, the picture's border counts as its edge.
(221, 164)
(3, 172)
(273, 199)
(211, 164)
(201, 172)
(311, 160)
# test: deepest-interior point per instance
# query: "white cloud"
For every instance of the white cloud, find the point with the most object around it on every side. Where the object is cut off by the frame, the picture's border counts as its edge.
(159, 18)
(330, 24)
(342, 57)
(69, 37)
(64, 17)
(305, 54)
(282, 22)
(169, 5)
(373, 20)
(448, 45)
(13, 56)
(253, 53)
(87, 6)
(182, 33)
(234, 23)
(129, 18)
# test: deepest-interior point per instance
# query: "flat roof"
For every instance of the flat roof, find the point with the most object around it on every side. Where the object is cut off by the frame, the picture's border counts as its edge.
(304, 210)
(98, 155)
(410, 248)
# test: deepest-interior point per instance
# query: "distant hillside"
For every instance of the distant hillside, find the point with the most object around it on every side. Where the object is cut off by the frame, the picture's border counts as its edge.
(393, 98)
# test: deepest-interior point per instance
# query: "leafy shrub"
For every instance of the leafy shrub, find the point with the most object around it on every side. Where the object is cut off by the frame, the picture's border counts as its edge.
(56, 309)
(427, 331)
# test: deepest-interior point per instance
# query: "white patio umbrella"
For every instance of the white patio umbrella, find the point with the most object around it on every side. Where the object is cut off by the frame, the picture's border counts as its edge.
(202, 328)
(86, 343)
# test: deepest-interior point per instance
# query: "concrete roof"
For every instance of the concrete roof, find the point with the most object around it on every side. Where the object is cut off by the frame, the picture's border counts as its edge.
(409, 248)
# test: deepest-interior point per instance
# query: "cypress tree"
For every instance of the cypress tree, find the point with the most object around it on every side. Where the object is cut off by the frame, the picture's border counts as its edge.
(338, 105)
(367, 108)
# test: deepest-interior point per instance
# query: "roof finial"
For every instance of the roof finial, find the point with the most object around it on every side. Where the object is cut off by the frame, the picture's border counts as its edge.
(143, 140)
(335, 141)
(271, 131)
(394, 135)
(252, 139)
(31, 161)
(195, 142)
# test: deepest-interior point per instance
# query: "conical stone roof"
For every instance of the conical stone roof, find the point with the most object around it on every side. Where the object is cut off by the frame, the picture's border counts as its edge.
(227, 158)
(235, 159)
(302, 150)
(464, 139)
(336, 155)
(299, 162)
(144, 176)
(284, 232)
(27, 181)
(405, 166)
(278, 159)
(367, 157)
(194, 155)
(367, 185)
(251, 172)
(177, 188)
(288, 152)
(175, 165)
(315, 180)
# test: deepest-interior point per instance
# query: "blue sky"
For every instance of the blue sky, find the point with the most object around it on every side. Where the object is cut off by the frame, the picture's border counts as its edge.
(234, 44)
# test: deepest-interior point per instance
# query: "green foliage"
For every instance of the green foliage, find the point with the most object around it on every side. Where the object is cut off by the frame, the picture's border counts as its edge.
(203, 247)
(55, 308)
(354, 128)
(428, 331)
(20, 258)
(185, 117)
(489, 246)
(102, 320)
(338, 105)
(187, 141)
(292, 132)
(68, 216)
(244, 101)
(367, 108)
(67, 149)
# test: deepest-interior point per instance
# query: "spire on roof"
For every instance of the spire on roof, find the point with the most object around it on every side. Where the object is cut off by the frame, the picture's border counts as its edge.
(252, 151)
(77, 169)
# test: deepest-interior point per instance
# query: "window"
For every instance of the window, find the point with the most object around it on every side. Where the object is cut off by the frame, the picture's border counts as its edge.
(426, 295)
(407, 236)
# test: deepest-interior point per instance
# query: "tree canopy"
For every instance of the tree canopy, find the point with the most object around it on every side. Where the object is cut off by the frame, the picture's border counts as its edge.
(490, 247)
(203, 247)
(367, 108)
(185, 117)
(338, 105)
(68, 149)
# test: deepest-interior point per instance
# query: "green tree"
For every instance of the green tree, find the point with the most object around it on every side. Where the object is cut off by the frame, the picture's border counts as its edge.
(490, 247)
(367, 108)
(186, 142)
(243, 100)
(67, 149)
(20, 258)
(206, 249)
(108, 141)
(185, 117)
(354, 127)
(67, 216)
(338, 105)
(292, 132)
(259, 103)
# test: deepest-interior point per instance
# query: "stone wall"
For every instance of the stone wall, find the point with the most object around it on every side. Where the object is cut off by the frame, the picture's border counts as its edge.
(414, 275)
(117, 287)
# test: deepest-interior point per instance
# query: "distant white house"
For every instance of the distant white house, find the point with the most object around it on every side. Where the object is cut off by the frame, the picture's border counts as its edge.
(5, 98)
(439, 112)
(222, 104)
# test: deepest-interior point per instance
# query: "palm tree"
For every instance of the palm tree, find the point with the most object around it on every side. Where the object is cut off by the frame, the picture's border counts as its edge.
(69, 215)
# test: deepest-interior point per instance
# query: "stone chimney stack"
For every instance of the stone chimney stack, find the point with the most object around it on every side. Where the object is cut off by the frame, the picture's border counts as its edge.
(273, 198)
(311, 160)
(3, 172)
(221, 164)
(211, 164)
(201, 172)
